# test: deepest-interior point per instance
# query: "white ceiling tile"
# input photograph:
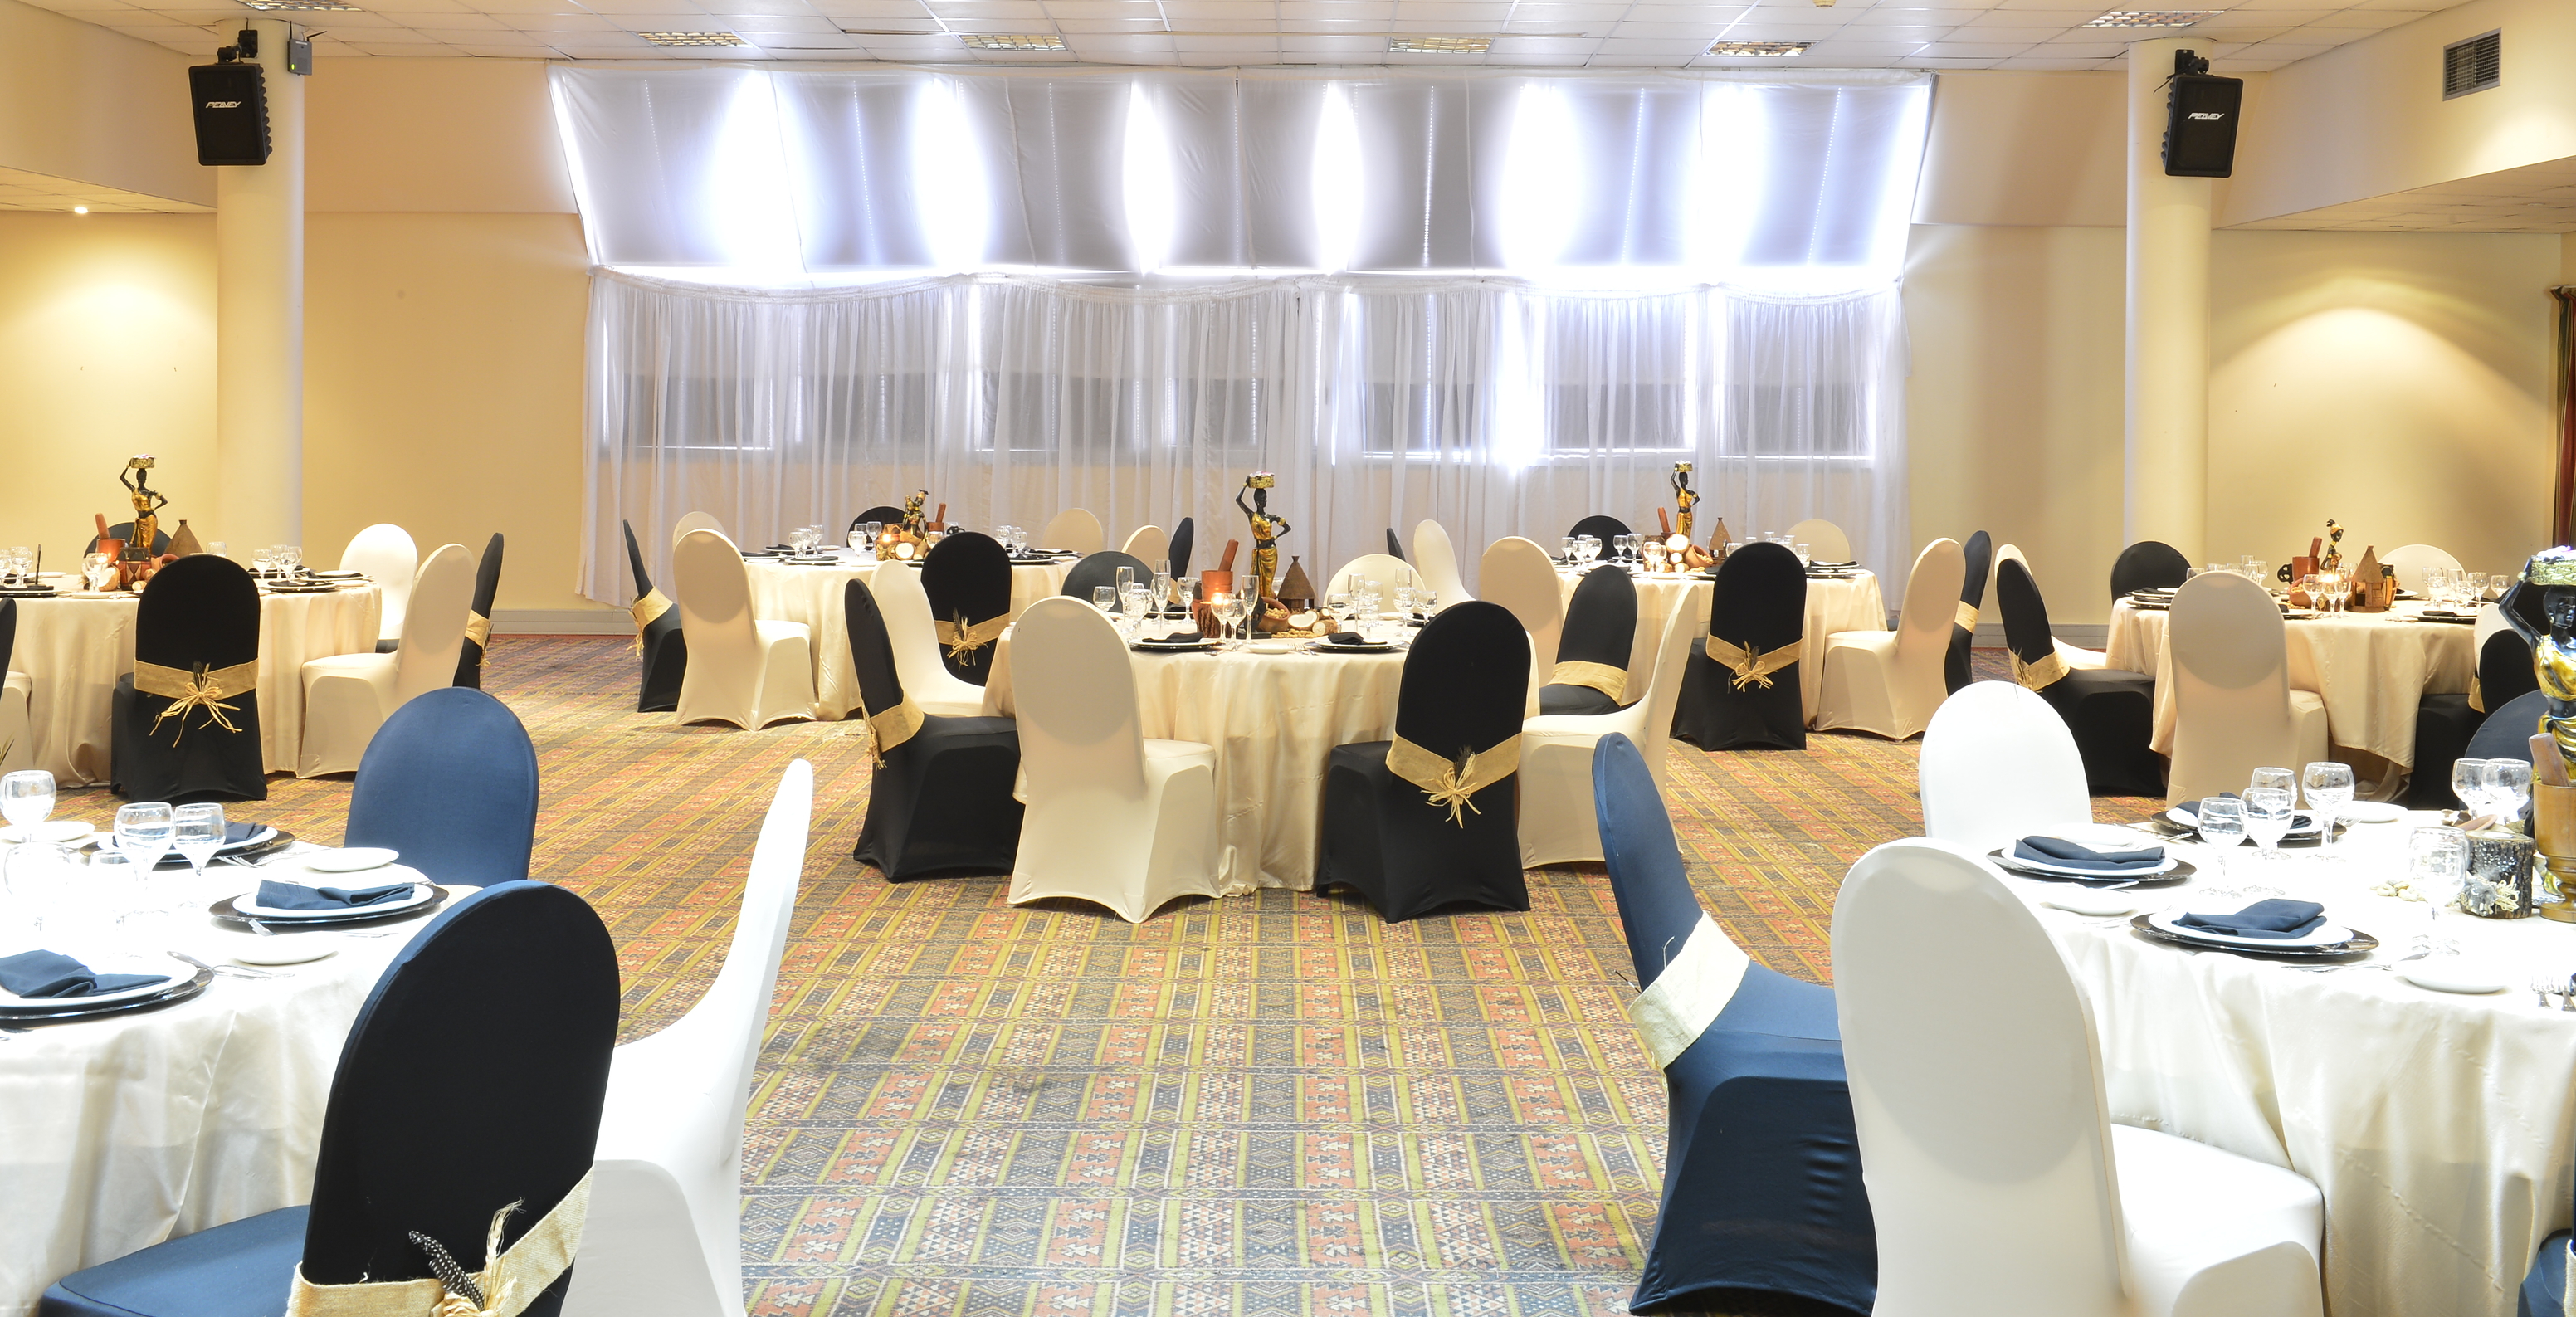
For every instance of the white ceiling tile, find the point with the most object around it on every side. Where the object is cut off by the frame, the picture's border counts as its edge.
(1331, 45)
(1663, 32)
(1969, 50)
(1825, 52)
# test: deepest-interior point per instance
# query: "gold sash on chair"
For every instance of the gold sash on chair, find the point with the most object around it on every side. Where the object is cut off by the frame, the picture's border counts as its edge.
(963, 638)
(2041, 675)
(1966, 617)
(645, 610)
(478, 629)
(1751, 666)
(509, 1281)
(894, 726)
(196, 688)
(1452, 784)
(1602, 677)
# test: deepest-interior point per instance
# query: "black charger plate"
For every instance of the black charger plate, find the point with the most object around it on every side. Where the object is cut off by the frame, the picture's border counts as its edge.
(19, 1017)
(2359, 944)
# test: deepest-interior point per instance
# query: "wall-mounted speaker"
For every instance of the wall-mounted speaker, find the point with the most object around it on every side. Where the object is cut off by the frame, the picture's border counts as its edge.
(232, 113)
(2200, 125)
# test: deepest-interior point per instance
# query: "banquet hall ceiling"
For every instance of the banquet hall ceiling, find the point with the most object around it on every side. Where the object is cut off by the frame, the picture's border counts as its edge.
(2537, 198)
(2248, 36)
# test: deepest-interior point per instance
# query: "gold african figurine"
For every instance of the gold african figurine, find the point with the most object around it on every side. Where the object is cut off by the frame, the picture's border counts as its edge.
(914, 522)
(148, 503)
(2553, 655)
(1266, 530)
(1684, 499)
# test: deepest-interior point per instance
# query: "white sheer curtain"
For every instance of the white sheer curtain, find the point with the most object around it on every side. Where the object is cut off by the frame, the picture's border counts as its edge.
(1504, 301)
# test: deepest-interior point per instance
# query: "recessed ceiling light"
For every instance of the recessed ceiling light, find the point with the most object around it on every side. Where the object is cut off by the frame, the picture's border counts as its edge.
(299, 6)
(2154, 17)
(1013, 41)
(1439, 45)
(83, 210)
(1760, 49)
(693, 38)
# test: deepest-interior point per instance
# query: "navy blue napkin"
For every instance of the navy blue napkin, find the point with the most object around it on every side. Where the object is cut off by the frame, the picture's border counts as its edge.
(2192, 807)
(1346, 638)
(1179, 638)
(2067, 855)
(53, 974)
(2278, 917)
(237, 833)
(275, 895)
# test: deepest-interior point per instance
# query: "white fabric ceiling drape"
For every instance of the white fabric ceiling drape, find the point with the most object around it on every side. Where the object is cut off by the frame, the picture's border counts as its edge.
(1502, 301)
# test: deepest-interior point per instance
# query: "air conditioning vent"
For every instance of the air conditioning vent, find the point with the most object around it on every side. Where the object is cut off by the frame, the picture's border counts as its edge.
(2473, 65)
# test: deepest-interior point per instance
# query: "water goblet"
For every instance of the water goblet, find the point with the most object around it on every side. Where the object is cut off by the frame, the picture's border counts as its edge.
(1183, 595)
(2279, 779)
(2221, 823)
(2437, 861)
(197, 832)
(115, 882)
(39, 877)
(2469, 783)
(1229, 614)
(1338, 605)
(294, 564)
(1137, 602)
(1565, 552)
(143, 831)
(1105, 598)
(2267, 817)
(2508, 790)
(26, 797)
(2329, 789)
(2477, 589)
(98, 571)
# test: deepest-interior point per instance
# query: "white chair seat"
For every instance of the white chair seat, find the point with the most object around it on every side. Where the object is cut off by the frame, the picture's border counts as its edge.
(2082, 660)
(1179, 755)
(1558, 821)
(932, 687)
(348, 696)
(17, 736)
(2212, 1233)
(1891, 682)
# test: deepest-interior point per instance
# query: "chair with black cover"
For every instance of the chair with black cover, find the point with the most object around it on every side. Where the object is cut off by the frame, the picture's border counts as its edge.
(2444, 722)
(17, 734)
(478, 623)
(2111, 712)
(124, 530)
(658, 637)
(516, 984)
(967, 578)
(2148, 565)
(187, 717)
(1603, 528)
(1184, 538)
(1394, 546)
(1762, 1174)
(1742, 687)
(450, 781)
(1099, 569)
(1429, 820)
(882, 515)
(939, 801)
(1591, 672)
(2507, 732)
(1980, 549)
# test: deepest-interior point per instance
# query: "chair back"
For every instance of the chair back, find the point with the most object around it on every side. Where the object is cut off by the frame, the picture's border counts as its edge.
(487, 585)
(2013, 553)
(882, 515)
(1825, 541)
(871, 649)
(1099, 569)
(1603, 528)
(904, 606)
(9, 630)
(200, 609)
(2026, 629)
(1600, 619)
(1760, 599)
(2148, 565)
(635, 561)
(1148, 545)
(386, 553)
(1972, 597)
(1437, 559)
(1519, 575)
(967, 578)
(696, 521)
(1075, 530)
(1465, 681)
(1657, 908)
(1999, 763)
(2504, 661)
(514, 991)
(1184, 538)
(450, 781)
(2412, 563)
(1384, 568)
(2231, 685)
(1976, 1090)
(1931, 606)
(1394, 546)
(715, 601)
(1076, 701)
(1664, 689)
(433, 633)
(2507, 732)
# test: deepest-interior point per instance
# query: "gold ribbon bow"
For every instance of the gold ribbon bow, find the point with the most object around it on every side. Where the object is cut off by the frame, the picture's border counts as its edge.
(644, 611)
(1602, 677)
(1454, 783)
(894, 726)
(196, 688)
(509, 1281)
(1966, 617)
(478, 629)
(1752, 666)
(2041, 675)
(963, 638)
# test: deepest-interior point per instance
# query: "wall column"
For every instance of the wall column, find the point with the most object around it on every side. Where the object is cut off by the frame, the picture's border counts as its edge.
(259, 322)
(2167, 475)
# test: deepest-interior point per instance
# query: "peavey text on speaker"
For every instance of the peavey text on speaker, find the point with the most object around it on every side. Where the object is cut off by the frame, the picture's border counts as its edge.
(232, 113)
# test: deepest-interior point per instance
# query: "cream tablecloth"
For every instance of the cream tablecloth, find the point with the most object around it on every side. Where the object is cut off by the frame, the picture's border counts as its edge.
(1274, 720)
(1832, 605)
(2437, 1125)
(2370, 668)
(813, 595)
(73, 650)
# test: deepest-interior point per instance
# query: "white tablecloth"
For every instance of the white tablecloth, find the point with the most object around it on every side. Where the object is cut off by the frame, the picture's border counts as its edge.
(127, 1130)
(1832, 605)
(2370, 668)
(2437, 1125)
(813, 595)
(1274, 720)
(73, 650)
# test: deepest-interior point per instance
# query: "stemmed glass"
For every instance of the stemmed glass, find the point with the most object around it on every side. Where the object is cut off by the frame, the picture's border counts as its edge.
(2329, 789)
(2222, 825)
(39, 877)
(1184, 595)
(1105, 598)
(2437, 861)
(291, 559)
(2508, 790)
(2267, 817)
(1569, 552)
(1137, 601)
(1338, 604)
(98, 571)
(2469, 783)
(1229, 611)
(143, 831)
(197, 832)
(27, 799)
(1162, 586)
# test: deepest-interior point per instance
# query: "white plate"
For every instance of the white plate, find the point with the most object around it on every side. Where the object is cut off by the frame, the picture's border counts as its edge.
(2372, 811)
(61, 832)
(2091, 901)
(252, 949)
(2448, 974)
(348, 859)
(109, 965)
(2325, 934)
(1270, 647)
(422, 893)
(2164, 866)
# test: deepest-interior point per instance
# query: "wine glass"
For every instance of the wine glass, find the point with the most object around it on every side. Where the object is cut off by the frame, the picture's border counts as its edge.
(39, 877)
(2267, 817)
(2278, 779)
(2329, 789)
(98, 571)
(1137, 601)
(116, 882)
(2469, 783)
(2222, 825)
(197, 832)
(2508, 790)
(1338, 604)
(1567, 551)
(26, 797)
(1162, 585)
(1229, 612)
(1184, 597)
(143, 831)
(1105, 598)
(294, 559)
(2437, 860)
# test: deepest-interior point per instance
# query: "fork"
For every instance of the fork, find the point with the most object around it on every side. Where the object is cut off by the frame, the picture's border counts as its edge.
(2542, 986)
(234, 971)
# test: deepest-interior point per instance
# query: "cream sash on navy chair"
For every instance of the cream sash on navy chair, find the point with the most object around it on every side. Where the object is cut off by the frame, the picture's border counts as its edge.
(1685, 999)
(510, 1280)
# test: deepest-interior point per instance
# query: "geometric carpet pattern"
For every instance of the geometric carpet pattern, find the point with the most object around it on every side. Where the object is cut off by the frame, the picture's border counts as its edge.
(1273, 1105)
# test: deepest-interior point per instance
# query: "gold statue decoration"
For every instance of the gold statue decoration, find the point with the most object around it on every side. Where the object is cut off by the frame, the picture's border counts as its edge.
(913, 520)
(1685, 499)
(905, 539)
(2553, 654)
(1266, 530)
(147, 507)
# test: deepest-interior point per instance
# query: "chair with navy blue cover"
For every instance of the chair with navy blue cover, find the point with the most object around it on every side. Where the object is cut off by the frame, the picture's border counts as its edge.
(450, 781)
(2148, 565)
(1980, 549)
(198, 621)
(1184, 538)
(1758, 606)
(1762, 1176)
(939, 801)
(2544, 1287)
(664, 647)
(967, 577)
(1603, 528)
(2112, 712)
(514, 992)
(1599, 631)
(1099, 569)
(478, 626)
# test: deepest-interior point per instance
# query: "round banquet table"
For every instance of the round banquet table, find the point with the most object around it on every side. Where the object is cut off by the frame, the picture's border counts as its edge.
(2437, 1125)
(126, 1130)
(73, 648)
(2370, 668)
(781, 592)
(1274, 720)
(1833, 604)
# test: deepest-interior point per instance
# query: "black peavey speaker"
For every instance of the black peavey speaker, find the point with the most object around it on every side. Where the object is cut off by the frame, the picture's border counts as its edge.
(232, 113)
(2200, 125)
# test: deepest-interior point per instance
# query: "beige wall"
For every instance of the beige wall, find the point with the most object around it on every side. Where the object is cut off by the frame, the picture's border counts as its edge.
(81, 102)
(2026, 148)
(429, 136)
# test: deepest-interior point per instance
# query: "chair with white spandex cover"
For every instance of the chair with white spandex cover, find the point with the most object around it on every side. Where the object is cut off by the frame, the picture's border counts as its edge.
(665, 1234)
(1150, 546)
(1557, 820)
(1762, 1174)
(386, 553)
(517, 984)
(1998, 763)
(1382, 568)
(743, 670)
(1074, 530)
(2234, 710)
(1890, 682)
(1518, 574)
(1437, 559)
(1997, 1182)
(914, 635)
(697, 521)
(348, 696)
(17, 736)
(1825, 541)
(1113, 818)
(2412, 563)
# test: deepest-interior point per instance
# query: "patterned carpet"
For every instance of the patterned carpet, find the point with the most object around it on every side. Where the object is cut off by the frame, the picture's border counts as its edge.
(1272, 1104)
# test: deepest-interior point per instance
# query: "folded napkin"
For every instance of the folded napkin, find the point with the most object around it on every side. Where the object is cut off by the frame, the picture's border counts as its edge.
(1178, 638)
(237, 833)
(2069, 855)
(276, 895)
(2278, 917)
(2192, 807)
(1346, 638)
(53, 974)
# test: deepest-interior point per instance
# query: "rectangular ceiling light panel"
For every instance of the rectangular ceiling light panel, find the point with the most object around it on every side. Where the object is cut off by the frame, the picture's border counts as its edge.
(693, 38)
(1013, 41)
(1759, 49)
(2154, 17)
(1439, 45)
